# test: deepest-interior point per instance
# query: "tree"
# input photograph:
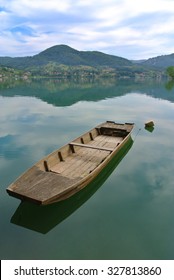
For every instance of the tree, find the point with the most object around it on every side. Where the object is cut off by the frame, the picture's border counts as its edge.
(170, 72)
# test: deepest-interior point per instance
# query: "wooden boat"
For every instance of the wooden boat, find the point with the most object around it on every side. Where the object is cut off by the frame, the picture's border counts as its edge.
(43, 219)
(72, 167)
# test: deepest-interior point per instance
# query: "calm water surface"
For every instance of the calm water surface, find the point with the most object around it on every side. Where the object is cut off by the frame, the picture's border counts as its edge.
(127, 214)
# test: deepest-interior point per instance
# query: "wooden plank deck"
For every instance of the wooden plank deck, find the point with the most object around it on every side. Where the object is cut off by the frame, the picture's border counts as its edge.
(86, 157)
(36, 188)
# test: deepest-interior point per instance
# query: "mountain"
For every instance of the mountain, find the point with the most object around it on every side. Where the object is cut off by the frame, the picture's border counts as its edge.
(160, 62)
(66, 55)
(62, 61)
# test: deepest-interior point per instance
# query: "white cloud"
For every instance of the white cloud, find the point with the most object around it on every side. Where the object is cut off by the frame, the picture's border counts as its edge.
(25, 7)
(113, 26)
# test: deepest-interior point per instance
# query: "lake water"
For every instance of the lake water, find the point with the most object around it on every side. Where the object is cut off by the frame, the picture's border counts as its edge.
(127, 214)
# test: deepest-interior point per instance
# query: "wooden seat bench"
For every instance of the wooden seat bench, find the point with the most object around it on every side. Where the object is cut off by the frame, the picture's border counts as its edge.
(90, 147)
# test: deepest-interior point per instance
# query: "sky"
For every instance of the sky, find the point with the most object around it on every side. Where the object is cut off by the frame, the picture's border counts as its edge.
(134, 29)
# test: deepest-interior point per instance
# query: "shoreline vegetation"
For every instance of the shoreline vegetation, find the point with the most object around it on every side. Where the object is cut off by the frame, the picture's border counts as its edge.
(64, 72)
(65, 63)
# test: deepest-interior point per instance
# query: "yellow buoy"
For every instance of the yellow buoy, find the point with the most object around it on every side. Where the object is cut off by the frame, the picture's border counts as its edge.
(149, 124)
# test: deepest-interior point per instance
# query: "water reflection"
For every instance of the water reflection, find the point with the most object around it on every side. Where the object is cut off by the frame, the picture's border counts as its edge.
(169, 85)
(149, 128)
(44, 218)
(131, 217)
(66, 93)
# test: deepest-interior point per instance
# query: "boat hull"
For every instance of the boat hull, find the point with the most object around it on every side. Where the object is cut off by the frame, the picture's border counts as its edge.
(69, 169)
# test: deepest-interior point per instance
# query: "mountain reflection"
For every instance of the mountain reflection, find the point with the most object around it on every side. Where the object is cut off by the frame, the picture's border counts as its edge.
(67, 92)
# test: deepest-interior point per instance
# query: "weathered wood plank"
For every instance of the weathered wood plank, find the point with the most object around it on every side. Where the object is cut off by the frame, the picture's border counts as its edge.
(90, 146)
(74, 160)
(86, 165)
(81, 161)
(39, 190)
(86, 158)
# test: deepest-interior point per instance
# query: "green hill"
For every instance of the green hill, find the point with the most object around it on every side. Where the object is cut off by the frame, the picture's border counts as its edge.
(62, 54)
(160, 62)
(65, 62)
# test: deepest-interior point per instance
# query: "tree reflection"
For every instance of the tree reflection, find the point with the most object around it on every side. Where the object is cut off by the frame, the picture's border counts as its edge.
(169, 85)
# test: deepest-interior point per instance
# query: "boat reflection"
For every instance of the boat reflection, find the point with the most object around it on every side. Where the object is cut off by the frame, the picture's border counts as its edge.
(149, 129)
(44, 218)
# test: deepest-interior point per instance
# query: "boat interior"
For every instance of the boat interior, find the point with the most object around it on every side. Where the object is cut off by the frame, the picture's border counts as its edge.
(80, 157)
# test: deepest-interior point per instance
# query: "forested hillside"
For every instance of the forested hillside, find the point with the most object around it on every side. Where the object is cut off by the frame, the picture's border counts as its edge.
(64, 61)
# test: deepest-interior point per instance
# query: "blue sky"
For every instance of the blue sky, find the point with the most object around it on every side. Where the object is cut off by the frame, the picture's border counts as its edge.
(134, 29)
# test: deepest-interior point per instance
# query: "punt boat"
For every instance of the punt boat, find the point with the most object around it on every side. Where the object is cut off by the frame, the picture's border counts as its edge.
(72, 167)
(44, 218)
